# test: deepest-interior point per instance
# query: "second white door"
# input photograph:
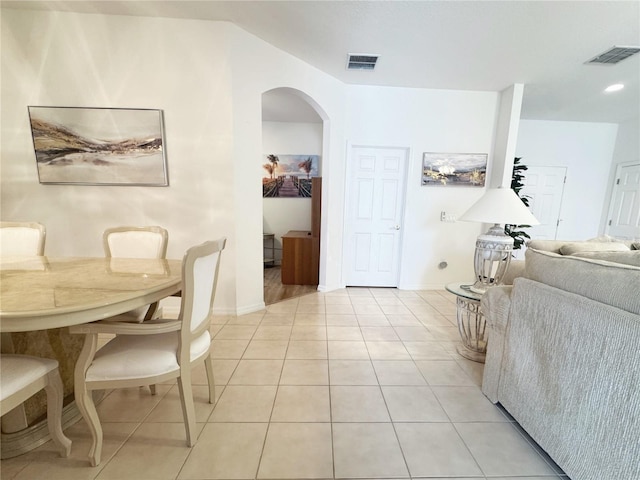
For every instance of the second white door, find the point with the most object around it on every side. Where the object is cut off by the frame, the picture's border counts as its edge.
(624, 215)
(544, 187)
(376, 191)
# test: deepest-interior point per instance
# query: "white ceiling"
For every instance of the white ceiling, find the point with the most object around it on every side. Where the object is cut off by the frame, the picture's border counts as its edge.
(466, 45)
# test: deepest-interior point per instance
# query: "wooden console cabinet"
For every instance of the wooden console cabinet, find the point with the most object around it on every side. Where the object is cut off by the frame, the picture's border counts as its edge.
(301, 249)
(297, 259)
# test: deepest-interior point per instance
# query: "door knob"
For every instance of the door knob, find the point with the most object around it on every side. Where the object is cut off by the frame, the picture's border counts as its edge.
(397, 227)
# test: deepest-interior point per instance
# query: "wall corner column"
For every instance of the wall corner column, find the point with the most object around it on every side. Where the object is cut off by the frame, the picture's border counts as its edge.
(506, 135)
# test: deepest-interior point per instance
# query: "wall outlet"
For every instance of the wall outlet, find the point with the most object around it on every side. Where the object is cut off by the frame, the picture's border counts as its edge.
(447, 217)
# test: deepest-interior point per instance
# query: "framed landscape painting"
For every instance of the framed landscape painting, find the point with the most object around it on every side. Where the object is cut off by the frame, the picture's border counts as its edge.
(468, 169)
(288, 176)
(99, 146)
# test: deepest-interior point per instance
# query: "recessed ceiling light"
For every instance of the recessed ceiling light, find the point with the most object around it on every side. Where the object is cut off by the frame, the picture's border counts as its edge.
(614, 88)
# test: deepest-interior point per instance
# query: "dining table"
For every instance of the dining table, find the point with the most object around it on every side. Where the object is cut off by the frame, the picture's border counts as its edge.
(39, 293)
(42, 295)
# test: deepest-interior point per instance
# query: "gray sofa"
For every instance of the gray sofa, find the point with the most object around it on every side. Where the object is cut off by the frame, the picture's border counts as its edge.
(563, 359)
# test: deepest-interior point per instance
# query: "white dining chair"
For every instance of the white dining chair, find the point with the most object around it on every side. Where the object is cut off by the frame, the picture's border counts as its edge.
(21, 377)
(136, 242)
(156, 350)
(22, 239)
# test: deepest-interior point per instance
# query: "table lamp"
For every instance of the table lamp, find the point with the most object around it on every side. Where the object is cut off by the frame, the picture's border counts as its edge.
(494, 248)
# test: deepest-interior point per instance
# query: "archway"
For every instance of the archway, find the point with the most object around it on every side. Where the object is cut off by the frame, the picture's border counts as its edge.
(293, 127)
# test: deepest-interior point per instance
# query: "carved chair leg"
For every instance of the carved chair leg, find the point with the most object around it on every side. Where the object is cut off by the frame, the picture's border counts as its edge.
(84, 400)
(55, 394)
(188, 409)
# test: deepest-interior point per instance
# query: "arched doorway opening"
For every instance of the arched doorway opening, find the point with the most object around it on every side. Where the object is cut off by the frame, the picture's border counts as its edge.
(292, 144)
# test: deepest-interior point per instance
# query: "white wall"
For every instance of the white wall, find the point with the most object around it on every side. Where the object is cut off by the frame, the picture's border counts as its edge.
(278, 69)
(283, 214)
(586, 149)
(428, 121)
(203, 77)
(65, 59)
(627, 147)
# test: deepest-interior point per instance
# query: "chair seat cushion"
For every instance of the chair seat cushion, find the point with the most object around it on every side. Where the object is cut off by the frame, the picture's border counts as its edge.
(19, 371)
(141, 356)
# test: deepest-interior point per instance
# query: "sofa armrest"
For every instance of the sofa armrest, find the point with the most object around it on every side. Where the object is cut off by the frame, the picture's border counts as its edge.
(495, 306)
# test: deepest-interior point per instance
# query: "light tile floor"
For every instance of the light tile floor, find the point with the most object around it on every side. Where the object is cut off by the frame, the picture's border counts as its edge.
(358, 383)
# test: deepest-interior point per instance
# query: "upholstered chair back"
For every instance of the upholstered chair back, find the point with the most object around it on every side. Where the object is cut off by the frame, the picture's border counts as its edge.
(135, 242)
(199, 277)
(21, 239)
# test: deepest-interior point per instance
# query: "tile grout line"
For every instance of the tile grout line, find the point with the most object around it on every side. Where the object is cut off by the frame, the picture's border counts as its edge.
(266, 434)
(384, 399)
(333, 457)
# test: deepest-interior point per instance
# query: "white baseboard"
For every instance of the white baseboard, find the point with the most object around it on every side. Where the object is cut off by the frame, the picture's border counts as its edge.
(424, 286)
(427, 286)
(248, 309)
(329, 288)
(172, 311)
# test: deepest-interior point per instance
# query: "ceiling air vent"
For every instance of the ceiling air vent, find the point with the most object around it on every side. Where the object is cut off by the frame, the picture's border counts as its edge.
(361, 62)
(614, 55)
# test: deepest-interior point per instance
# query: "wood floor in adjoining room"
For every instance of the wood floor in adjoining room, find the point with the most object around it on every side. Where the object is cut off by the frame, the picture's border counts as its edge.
(275, 291)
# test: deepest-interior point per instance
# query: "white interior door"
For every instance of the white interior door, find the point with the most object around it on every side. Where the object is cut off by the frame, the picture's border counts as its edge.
(375, 202)
(544, 186)
(624, 214)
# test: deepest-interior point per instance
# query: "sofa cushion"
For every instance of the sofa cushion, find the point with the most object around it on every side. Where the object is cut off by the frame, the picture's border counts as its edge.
(610, 283)
(547, 245)
(603, 238)
(631, 257)
(609, 238)
(575, 247)
(556, 245)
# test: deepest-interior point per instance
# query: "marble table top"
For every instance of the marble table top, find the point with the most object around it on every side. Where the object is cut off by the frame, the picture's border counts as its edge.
(38, 293)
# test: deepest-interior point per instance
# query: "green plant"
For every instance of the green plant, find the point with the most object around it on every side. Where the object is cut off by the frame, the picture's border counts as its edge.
(515, 231)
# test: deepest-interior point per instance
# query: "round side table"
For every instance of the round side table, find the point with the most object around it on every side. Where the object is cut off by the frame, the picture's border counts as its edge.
(471, 322)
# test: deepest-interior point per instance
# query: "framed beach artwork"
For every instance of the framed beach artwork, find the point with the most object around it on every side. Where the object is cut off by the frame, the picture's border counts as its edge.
(99, 146)
(463, 169)
(288, 176)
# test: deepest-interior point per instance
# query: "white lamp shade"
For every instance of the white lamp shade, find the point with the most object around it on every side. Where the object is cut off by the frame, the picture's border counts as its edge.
(500, 205)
